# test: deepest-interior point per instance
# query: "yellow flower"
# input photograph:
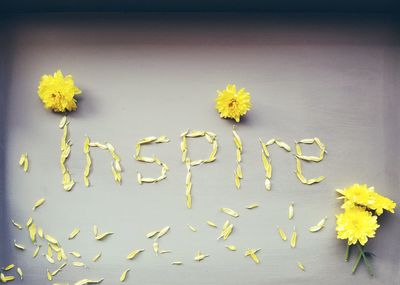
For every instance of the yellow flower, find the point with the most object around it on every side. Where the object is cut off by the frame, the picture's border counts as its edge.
(356, 224)
(356, 195)
(363, 195)
(382, 203)
(231, 103)
(57, 92)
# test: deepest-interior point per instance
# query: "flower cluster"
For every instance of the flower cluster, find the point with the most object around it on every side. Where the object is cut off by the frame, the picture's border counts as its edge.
(57, 92)
(359, 221)
(365, 196)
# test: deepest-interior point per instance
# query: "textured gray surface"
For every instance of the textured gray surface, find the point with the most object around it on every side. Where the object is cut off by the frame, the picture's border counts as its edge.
(335, 78)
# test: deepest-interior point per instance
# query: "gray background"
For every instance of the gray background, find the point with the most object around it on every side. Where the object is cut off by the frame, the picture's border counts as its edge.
(335, 77)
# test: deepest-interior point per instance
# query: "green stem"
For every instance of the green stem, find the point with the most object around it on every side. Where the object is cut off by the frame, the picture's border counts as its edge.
(347, 253)
(365, 259)
(357, 263)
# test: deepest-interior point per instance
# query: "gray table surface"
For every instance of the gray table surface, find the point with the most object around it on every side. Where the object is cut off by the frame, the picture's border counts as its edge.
(333, 77)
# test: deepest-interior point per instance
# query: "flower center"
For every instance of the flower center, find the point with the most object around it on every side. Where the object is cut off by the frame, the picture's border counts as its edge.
(356, 224)
(233, 103)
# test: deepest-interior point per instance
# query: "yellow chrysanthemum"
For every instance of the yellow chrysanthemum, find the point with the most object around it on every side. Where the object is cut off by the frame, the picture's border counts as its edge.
(356, 195)
(231, 103)
(57, 92)
(382, 203)
(366, 196)
(356, 224)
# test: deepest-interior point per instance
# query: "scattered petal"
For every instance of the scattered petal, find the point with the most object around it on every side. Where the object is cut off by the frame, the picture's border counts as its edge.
(124, 275)
(18, 226)
(193, 229)
(162, 232)
(74, 233)
(63, 121)
(94, 259)
(301, 266)
(103, 235)
(252, 206)
(8, 267)
(230, 212)
(88, 281)
(252, 253)
(177, 263)
(134, 253)
(231, 247)
(151, 234)
(291, 211)
(20, 273)
(319, 226)
(39, 203)
(19, 246)
(75, 254)
(200, 256)
(35, 253)
(282, 234)
(50, 239)
(293, 239)
(78, 264)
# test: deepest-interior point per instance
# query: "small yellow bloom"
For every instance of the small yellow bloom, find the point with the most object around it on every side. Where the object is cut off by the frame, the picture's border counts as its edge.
(57, 92)
(382, 203)
(356, 195)
(363, 195)
(356, 224)
(231, 103)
